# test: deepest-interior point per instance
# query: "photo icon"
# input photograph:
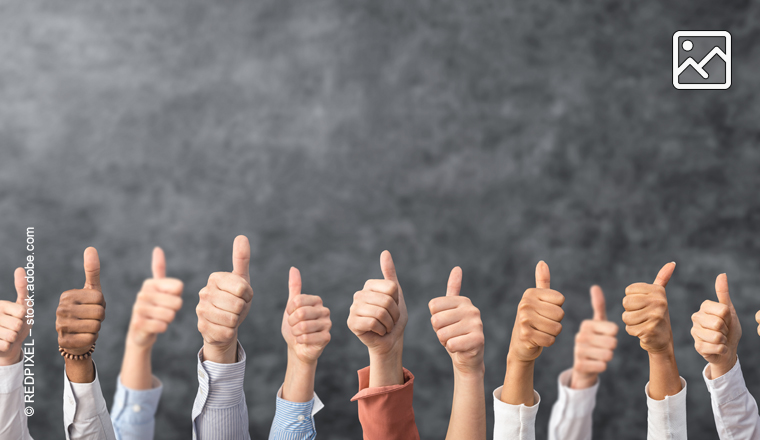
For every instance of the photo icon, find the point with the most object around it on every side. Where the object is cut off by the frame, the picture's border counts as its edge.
(702, 60)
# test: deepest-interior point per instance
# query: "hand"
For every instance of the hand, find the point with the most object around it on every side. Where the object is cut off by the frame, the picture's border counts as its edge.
(457, 323)
(539, 314)
(305, 323)
(14, 327)
(717, 330)
(224, 304)
(594, 344)
(157, 303)
(378, 315)
(80, 311)
(646, 312)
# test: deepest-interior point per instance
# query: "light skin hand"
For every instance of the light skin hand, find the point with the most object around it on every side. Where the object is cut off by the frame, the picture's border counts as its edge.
(646, 316)
(224, 304)
(717, 331)
(594, 344)
(157, 303)
(13, 323)
(378, 317)
(306, 328)
(78, 318)
(537, 325)
(459, 328)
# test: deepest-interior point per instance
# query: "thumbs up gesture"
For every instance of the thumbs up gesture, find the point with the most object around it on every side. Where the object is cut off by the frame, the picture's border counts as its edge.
(717, 330)
(378, 314)
(157, 303)
(646, 313)
(13, 326)
(80, 311)
(224, 304)
(538, 319)
(594, 344)
(457, 324)
(305, 323)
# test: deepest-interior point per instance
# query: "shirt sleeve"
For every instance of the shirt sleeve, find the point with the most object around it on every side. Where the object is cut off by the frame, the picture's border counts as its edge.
(134, 411)
(734, 408)
(85, 415)
(572, 414)
(514, 422)
(219, 410)
(13, 423)
(666, 419)
(295, 420)
(386, 413)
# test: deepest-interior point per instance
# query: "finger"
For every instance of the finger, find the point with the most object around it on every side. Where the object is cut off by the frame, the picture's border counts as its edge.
(19, 280)
(167, 300)
(307, 314)
(665, 273)
(317, 339)
(73, 325)
(78, 340)
(241, 257)
(92, 269)
(706, 348)
(550, 311)
(710, 322)
(294, 282)
(464, 343)
(543, 276)
(385, 287)
(757, 317)
(452, 331)
(597, 354)
(220, 317)
(636, 317)
(379, 313)
(8, 335)
(86, 297)
(634, 302)
(362, 324)
(158, 263)
(388, 267)
(442, 303)
(233, 284)
(606, 328)
(381, 300)
(303, 301)
(11, 322)
(153, 326)
(307, 327)
(710, 336)
(598, 303)
(157, 313)
(445, 318)
(224, 301)
(455, 282)
(721, 289)
(90, 311)
(170, 286)
(546, 325)
(590, 366)
(594, 340)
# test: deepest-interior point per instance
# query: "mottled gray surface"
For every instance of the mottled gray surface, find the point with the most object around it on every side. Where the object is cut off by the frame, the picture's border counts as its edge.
(475, 133)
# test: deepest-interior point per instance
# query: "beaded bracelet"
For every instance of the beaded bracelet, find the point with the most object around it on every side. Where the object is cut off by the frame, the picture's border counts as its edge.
(77, 357)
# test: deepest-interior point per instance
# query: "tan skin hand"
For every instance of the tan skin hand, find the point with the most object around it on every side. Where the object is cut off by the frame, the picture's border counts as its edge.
(716, 331)
(595, 344)
(306, 322)
(13, 323)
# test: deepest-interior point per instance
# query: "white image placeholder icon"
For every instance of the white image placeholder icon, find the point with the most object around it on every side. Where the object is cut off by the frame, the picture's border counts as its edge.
(702, 60)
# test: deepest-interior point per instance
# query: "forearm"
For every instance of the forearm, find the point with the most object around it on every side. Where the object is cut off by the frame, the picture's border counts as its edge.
(663, 375)
(468, 409)
(221, 354)
(299, 380)
(387, 368)
(136, 370)
(518, 383)
(80, 371)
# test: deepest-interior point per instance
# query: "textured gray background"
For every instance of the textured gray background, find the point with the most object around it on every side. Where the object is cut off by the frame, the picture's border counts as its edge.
(475, 133)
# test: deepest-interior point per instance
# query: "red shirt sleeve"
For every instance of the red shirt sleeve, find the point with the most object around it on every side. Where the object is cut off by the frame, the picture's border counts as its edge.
(386, 413)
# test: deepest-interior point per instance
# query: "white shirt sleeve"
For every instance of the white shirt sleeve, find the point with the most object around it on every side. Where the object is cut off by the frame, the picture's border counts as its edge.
(514, 422)
(572, 415)
(734, 408)
(666, 419)
(13, 423)
(85, 415)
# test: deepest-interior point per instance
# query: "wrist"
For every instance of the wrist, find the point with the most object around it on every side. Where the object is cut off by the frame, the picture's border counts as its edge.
(10, 358)
(580, 380)
(515, 362)
(666, 353)
(301, 364)
(386, 368)
(220, 353)
(718, 369)
(80, 370)
(470, 374)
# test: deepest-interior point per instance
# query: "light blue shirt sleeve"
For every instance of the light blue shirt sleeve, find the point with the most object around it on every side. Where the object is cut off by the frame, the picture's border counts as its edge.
(134, 411)
(219, 410)
(295, 420)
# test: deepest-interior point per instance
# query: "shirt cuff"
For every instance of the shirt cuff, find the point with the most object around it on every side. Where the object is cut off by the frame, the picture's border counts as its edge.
(667, 415)
(365, 391)
(296, 416)
(11, 377)
(86, 399)
(728, 387)
(577, 403)
(506, 414)
(222, 384)
(136, 407)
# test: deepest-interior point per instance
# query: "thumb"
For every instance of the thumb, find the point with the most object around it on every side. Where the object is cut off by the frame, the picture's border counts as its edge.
(455, 282)
(158, 264)
(241, 257)
(543, 276)
(294, 283)
(721, 288)
(19, 280)
(598, 303)
(387, 266)
(663, 276)
(92, 269)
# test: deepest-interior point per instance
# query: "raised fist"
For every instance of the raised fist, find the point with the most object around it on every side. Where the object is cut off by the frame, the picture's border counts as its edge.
(305, 323)
(14, 327)
(80, 311)
(717, 330)
(457, 324)
(646, 313)
(539, 317)
(157, 303)
(594, 344)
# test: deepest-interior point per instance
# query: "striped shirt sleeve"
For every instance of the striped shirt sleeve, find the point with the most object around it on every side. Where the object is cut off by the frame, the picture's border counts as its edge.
(219, 410)
(295, 420)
